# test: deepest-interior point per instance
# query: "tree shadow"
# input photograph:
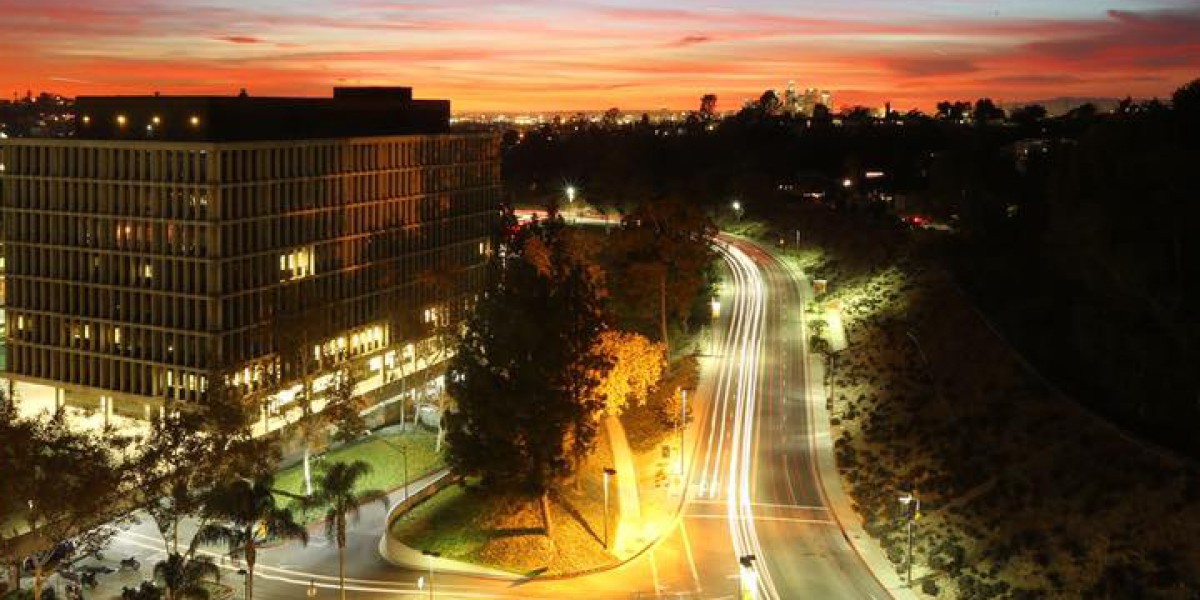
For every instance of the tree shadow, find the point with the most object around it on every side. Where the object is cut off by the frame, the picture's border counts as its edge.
(575, 514)
(504, 532)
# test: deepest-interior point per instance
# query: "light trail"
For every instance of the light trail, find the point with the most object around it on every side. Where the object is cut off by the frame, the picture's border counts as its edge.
(744, 349)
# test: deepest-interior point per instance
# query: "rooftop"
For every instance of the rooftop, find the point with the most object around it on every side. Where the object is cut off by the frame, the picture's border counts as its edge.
(351, 112)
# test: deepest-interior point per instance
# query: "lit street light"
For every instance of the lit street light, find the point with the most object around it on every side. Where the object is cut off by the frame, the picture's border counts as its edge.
(571, 191)
(737, 209)
(608, 472)
(847, 183)
(432, 555)
(747, 578)
(908, 499)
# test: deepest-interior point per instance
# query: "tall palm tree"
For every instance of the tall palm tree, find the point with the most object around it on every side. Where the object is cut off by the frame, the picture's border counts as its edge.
(244, 513)
(337, 492)
(183, 576)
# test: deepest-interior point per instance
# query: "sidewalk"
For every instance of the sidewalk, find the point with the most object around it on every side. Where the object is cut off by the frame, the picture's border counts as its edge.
(836, 498)
(629, 515)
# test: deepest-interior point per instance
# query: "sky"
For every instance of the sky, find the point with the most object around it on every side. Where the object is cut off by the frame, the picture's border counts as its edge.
(524, 55)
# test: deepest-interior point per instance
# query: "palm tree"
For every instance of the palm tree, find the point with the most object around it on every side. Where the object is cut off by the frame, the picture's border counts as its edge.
(183, 576)
(245, 512)
(337, 492)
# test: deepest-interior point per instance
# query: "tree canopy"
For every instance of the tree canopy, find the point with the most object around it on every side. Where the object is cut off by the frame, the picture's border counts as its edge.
(525, 374)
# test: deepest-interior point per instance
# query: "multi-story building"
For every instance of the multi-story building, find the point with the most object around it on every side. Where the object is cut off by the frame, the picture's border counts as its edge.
(262, 240)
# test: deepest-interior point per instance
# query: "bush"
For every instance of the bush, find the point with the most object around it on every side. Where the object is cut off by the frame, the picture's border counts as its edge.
(930, 587)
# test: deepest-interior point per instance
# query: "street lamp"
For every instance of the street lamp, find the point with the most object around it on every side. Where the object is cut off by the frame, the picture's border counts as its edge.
(608, 472)
(747, 578)
(847, 183)
(737, 209)
(432, 555)
(911, 499)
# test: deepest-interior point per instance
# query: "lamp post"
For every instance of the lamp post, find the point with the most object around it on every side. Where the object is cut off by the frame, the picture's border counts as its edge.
(737, 210)
(570, 191)
(910, 499)
(747, 579)
(608, 472)
(432, 555)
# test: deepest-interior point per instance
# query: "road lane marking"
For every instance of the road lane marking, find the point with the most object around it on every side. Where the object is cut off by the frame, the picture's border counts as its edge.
(687, 547)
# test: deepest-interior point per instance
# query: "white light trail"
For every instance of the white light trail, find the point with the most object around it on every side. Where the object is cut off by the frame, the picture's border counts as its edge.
(737, 391)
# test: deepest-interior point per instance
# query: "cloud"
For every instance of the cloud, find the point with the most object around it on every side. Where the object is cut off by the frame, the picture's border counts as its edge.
(689, 40)
(239, 39)
(928, 66)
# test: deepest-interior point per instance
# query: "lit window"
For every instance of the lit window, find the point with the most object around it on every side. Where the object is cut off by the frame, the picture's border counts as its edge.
(298, 264)
(20, 322)
(87, 332)
(148, 271)
(116, 335)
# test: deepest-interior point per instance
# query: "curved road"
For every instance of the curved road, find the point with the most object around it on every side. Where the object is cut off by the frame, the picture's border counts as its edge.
(754, 487)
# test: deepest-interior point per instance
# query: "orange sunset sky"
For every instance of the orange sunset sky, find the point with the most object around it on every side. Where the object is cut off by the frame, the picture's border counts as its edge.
(543, 55)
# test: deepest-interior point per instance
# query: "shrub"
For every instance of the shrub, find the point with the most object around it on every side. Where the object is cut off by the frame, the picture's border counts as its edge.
(930, 587)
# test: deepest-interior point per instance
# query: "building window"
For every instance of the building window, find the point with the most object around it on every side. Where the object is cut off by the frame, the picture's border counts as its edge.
(298, 264)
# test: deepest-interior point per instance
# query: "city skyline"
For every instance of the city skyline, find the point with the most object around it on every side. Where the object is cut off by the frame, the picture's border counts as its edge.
(534, 55)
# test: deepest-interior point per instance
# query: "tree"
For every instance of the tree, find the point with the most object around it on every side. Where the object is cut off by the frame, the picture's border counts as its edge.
(526, 392)
(183, 576)
(1028, 115)
(611, 116)
(1186, 104)
(953, 111)
(344, 408)
(769, 104)
(189, 450)
(301, 323)
(244, 512)
(338, 493)
(637, 366)
(986, 111)
(821, 114)
(660, 261)
(63, 487)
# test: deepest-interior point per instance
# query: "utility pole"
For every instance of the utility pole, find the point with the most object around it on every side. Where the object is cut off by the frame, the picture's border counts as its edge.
(910, 500)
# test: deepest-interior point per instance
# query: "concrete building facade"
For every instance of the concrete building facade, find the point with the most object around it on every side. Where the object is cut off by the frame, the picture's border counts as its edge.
(166, 249)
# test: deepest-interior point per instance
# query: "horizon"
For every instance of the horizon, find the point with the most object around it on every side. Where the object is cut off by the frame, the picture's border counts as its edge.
(531, 55)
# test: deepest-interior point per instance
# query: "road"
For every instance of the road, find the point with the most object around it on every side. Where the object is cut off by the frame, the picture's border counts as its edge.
(753, 487)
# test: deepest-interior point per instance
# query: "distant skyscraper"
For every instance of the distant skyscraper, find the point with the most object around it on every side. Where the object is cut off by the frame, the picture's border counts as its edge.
(161, 246)
(791, 100)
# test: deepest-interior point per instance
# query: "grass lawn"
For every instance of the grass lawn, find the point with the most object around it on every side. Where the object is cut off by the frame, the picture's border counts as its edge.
(379, 451)
(469, 524)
